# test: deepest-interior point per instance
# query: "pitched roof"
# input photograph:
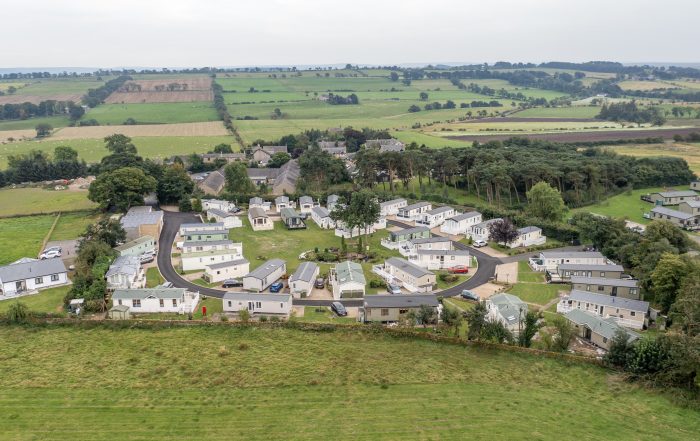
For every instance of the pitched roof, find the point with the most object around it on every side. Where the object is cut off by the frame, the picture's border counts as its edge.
(288, 177)
(434, 239)
(412, 230)
(692, 203)
(143, 293)
(415, 206)
(486, 223)
(350, 272)
(320, 212)
(256, 201)
(392, 202)
(250, 296)
(29, 270)
(228, 264)
(214, 181)
(135, 242)
(509, 306)
(266, 269)
(257, 212)
(529, 229)
(443, 252)
(571, 254)
(136, 218)
(464, 216)
(604, 327)
(124, 265)
(219, 213)
(206, 231)
(332, 199)
(677, 193)
(306, 200)
(400, 301)
(288, 212)
(588, 267)
(281, 200)
(629, 283)
(305, 272)
(440, 210)
(672, 213)
(605, 300)
(407, 267)
(206, 243)
(196, 226)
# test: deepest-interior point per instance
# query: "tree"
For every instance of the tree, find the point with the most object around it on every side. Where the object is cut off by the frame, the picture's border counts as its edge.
(666, 279)
(686, 308)
(121, 189)
(621, 350)
(120, 144)
(106, 230)
(174, 185)
(185, 204)
(476, 319)
(393, 76)
(496, 332)
(17, 312)
(223, 148)
(452, 318)
(362, 212)
(413, 108)
(423, 96)
(564, 334)
(649, 357)
(65, 154)
(196, 163)
(43, 130)
(75, 112)
(545, 202)
(237, 180)
(425, 315)
(503, 231)
(664, 230)
(278, 159)
(530, 329)
(197, 205)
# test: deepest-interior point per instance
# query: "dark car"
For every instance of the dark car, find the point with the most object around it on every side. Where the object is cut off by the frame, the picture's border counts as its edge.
(320, 283)
(276, 287)
(232, 283)
(468, 295)
(339, 309)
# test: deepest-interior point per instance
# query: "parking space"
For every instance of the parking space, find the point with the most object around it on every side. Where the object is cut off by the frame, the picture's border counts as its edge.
(69, 249)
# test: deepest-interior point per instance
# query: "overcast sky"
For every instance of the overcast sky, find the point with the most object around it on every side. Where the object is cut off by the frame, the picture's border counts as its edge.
(175, 33)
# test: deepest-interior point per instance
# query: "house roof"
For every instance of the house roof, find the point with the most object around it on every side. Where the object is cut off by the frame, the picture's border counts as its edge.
(415, 206)
(29, 270)
(603, 327)
(392, 202)
(288, 212)
(672, 213)
(400, 301)
(306, 200)
(272, 149)
(332, 199)
(266, 269)
(250, 296)
(305, 272)
(509, 306)
(486, 223)
(209, 243)
(412, 230)
(628, 283)
(440, 210)
(199, 226)
(677, 193)
(223, 155)
(587, 267)
(135, 242)
(464, 216)
(320, 212)
(330, 144)
(144, 293)
(256, 201)
(288, 177)
(129, 265)
(206, 231)
(228, 264)
(443, 252)
(136, 218)
(256, 212)
(219, 213)
(571, 254)
(385, 145)
(407, 267)
(214, 181)
(350, 272)
(529, 229)
(281, 200)
(434, 239)
(613, 301)
(263, 173)
(692, 203)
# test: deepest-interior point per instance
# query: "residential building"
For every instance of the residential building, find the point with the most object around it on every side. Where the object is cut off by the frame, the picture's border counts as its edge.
(507, 309)
(142, 245)
(203, 232)
(32, 275)
(153, 300)
(211, 158)
(679, 218)
(565, 271)
(302, 281)
(282, 202)
(341, 230)
(211, 183)
(597, 330)
(218, 204)
(627, 288)
(322, 218)
(690, 207)
(392, 308)
(278, 305)
(198, 255)
(392, 207)
(695, 185)
(263, 154)
(332, 202)
(399, 238)
(125, 273)
(347, 280)
(265, 275)
(292, 220)
(413, 277)
(142, 221)
(232, 269)
(436, 217)
(259, 220)
(481, 230)
(427, 243)
(228, 220)
(414, 212)
(460, 223)
(286, 180)
(629, 313)
(334, 148)
(385, 145)
(306, 203)
(441, 259)
(550, 260)
(258, 202)
(527, 237)
(263, 176)
(672, 197)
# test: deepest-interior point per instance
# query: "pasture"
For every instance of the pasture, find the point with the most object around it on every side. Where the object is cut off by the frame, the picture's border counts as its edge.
(645, 85)
(23, 236)
(153, 113)
(28, 201)
(221, 382)
(559, 112)
(31, 123)
(212, 128)
(187, 88)
(72, 225)
(59, 89)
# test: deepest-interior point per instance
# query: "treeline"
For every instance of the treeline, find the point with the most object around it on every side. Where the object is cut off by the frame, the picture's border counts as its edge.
(629, 111)
(341, 100)
(37, 166)
(44, 108)
(299, 143)
(94, 97)
(222, 110)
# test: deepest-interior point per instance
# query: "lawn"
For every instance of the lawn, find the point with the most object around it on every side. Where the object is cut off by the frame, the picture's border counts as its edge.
(48, 300)
(24, 201)
(526, 274)
(538, 293)
(627, 205)
(152, 113)
(153, 277)
(322, 314)
(23, 236)
(216, 383)
(73, 225)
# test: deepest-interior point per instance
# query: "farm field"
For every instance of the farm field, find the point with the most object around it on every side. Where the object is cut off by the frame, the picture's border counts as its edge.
(153, 113)
(585, 136)
(25, 201)
(12, 135)
(59, 89)
(92, 150)
(31, 123)
(516, 127)
(645, 85)
(23, 236)
(559, 112)
(72, 225)
(213, 128)
(371, 386)
(627, 205)
(421, 138)
(687, 151)
(190, 89)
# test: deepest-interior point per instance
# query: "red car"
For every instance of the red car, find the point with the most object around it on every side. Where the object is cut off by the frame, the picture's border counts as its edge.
(459, 269)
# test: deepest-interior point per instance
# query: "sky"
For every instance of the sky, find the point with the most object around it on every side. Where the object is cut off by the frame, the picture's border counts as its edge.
(196, 33)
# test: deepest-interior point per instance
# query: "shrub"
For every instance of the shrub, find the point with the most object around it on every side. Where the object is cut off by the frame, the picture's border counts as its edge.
(449, 278)
(377, 283)
(263, 319)
(17, 312)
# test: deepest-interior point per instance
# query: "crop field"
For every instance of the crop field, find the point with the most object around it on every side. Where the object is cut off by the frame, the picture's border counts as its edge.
(59, 89)
(92, 150)
(516, 127)
(4, 85)
(153, 113)
(645, 85)
(213, 128)
(16, 135)
(23, 236)
(36, 99)
(25, 201)
(689, 152)
(583, 136)
(220, 382)
(421, 138)
(164, 90)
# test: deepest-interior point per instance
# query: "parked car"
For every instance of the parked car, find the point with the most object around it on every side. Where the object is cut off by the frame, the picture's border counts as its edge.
(339, 309)
(232, 283)
(393, 288)
(320, 283)
(50, 254)
(468, 295)
(480, 243)
(147, 258)
(459, 269)
(276, 287)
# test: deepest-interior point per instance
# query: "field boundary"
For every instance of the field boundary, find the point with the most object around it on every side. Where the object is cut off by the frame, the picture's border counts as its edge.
(48, 235)
(46, 213)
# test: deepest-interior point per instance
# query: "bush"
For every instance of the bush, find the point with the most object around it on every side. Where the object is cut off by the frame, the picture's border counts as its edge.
(377, 283)
(263, 319)
(449, 278)
(17, 312)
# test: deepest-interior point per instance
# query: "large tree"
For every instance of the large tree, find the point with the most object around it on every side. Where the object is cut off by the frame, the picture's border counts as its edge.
(545, 202)
(119, 143)
(122, 188)
(174, 185)
(237, 180)
(361, 212)
(503, 231)
(667, 278)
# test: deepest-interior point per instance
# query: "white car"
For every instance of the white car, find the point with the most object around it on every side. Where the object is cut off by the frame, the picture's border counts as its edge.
(480, 243)
(50, 253)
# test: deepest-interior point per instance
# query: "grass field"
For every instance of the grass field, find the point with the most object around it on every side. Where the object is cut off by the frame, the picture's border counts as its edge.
(56, 86)
(31, 123)
(23, 236)
(689, 152)
(627, 205)
(559, 112)
(151, 113)
(322, 314)
(645, 85)
(216, 383)
(48, 300)
(72, 225)
(24, 201)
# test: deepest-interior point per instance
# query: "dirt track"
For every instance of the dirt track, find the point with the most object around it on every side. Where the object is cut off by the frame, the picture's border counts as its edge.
(608, 135)
(213, 128)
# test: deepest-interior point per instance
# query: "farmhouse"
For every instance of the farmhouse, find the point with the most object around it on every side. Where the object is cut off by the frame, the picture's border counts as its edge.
(690, 207)
(125, 273)
(436, 216)
(292, 220)
(597, 330)
(412, 277)
(152, 300)
(550, 260)
(233, 269)
(481, 230)
(507, 309)
(332, 201)
(302, 281)
(218, 204)
(142, 245)
(527, 237)
(265, 275)
(347, 280)
(399, 238)
(679, 218)
(460, 223)
(198, 255)
(306, 203)
(203, 232)
(414, 212)
(211, 158)
(441, 259)
(626, 288)
(626, 312)
(322, 218)
(258, 202)
(211, 182)
(672, 197)
(286, 180)
(392, 207)
(258, 304)
(282, 202)
(142, 221)
(565, 271)
(264, 153)
(32, 275)
(391, 308)
(385, 145)
(259, 220)
(228, 220)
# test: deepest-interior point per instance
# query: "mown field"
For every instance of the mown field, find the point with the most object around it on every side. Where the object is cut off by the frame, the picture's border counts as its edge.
(560, 112)
(216, 383)
(24, 201)
(153, 113)
(23, 236)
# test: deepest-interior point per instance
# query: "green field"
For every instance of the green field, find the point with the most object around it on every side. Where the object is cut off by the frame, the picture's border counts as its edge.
(61, 86)
(223, 383)
(92, 150)
(526, 274)
(627, 205)
(559, 112)
(31, 123)
(72, 225)
(23, 236)
(24, 201)
(153, 113)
